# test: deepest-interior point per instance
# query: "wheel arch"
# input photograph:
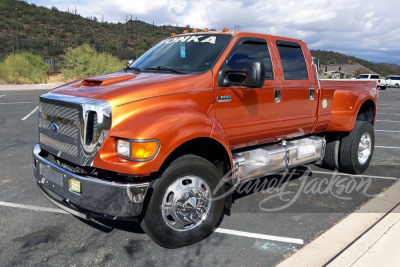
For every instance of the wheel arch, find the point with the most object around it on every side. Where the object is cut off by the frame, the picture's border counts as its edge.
(205, 147)
(367, 112)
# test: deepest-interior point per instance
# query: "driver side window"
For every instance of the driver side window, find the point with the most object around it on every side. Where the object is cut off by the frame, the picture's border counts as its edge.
(250, 51)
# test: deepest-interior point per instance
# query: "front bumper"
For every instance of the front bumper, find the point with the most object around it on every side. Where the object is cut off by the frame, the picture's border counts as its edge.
(101, 197)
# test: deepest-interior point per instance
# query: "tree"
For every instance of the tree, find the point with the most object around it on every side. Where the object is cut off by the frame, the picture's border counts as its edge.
(24, 67)
(84, 61)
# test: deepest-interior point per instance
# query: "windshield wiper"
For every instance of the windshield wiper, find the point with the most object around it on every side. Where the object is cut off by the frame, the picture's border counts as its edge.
(165, 68)
(132, 68)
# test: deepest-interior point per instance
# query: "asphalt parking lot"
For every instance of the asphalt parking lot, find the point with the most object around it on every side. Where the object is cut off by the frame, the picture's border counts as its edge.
(268, 223)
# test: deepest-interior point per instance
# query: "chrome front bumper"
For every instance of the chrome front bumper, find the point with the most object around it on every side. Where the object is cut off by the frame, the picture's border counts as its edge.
(99, 197)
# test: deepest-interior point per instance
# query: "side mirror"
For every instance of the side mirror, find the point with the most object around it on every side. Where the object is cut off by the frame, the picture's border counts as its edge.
(130, 61)
(315, 61)
(253, 75)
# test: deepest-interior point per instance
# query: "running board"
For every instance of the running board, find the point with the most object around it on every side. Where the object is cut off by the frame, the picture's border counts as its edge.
(279, 157)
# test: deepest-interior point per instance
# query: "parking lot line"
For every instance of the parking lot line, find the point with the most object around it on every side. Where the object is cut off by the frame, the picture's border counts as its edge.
(218, 230)
(12, 103)
(27, 116)
(390, 147)
(389, 108)
(260, 236)
(387, 121)
(388, 114)
(387, 131)
(2, 95)
(357, 175)
(29, 207)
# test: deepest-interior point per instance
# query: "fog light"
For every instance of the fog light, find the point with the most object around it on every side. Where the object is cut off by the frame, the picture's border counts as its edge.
(123, 148)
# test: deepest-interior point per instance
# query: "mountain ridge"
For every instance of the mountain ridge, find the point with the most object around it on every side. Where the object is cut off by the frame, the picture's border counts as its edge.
(48, 32)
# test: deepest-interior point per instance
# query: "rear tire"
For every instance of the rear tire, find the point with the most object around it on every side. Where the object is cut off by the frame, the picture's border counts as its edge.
(397, 85)
(357, 148)
(182, 209)
(331, 157)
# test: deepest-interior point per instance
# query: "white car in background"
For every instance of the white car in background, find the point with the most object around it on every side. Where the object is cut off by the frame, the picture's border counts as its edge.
(380, 82)
(392, 81)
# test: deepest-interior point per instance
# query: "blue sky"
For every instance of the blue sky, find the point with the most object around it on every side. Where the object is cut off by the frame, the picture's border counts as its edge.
(363, 28)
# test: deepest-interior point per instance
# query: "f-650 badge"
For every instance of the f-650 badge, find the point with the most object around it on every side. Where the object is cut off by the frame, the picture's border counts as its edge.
(193, 38)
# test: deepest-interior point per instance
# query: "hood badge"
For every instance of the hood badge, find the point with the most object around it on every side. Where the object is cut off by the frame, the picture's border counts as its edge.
(53, 127)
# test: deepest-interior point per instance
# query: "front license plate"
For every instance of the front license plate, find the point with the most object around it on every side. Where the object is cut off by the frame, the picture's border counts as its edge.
(75, 186)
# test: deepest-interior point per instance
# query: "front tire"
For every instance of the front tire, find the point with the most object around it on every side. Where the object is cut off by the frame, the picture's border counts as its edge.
(357, 148)
(186, 204)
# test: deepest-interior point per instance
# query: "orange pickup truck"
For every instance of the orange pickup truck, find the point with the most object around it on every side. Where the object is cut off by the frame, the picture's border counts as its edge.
(165, 140)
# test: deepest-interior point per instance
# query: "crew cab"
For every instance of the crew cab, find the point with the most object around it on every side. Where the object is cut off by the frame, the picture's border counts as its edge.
(166, 140)
(375, 77)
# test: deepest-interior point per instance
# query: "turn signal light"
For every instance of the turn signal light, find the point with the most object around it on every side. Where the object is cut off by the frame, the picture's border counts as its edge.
(145, 150)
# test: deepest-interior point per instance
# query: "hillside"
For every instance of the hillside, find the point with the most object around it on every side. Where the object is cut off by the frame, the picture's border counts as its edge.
(334, 58)
(48, 32)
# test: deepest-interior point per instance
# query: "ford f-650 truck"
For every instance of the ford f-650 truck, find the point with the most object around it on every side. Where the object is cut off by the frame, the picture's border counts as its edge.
(165, 140)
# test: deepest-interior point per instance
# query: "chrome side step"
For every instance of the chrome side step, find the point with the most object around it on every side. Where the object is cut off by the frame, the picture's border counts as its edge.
(278, 157)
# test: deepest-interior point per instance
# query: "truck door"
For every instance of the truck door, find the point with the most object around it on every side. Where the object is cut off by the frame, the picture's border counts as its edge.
(249, 116)
(299, 96)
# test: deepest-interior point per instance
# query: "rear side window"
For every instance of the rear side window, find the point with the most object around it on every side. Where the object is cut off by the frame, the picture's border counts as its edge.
(374, 76)
(293, 62)
(250, 51)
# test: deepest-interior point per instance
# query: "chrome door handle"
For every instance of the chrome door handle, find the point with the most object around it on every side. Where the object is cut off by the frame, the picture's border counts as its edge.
(277, 95)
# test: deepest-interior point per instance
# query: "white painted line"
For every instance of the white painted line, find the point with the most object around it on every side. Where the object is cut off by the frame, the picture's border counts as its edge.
(387, 131)
(389, 147)
(27, 116)
(358, 175)
(388, 114)
(260, 236)
(29, 207)
(218, 230)
(387, 121)
(2, 95)
(389, 108)
(12, 103)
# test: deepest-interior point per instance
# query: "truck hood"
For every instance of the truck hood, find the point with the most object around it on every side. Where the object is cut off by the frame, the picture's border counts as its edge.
(124, 87)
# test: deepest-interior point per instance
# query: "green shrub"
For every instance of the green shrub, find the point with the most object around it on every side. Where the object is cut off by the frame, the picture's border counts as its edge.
(23, 67)
(84, 61)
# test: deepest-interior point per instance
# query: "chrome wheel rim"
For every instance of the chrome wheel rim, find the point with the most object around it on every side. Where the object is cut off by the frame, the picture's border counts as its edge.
(364, 148)
(186, 203)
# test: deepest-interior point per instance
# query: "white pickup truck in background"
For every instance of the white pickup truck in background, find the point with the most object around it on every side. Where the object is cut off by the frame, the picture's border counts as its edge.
(380, 82)
(392, 81)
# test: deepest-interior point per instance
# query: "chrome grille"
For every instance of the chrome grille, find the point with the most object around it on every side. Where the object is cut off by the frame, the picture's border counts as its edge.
(67, 130)
(73, 128)
(54, 110)
(70, 149)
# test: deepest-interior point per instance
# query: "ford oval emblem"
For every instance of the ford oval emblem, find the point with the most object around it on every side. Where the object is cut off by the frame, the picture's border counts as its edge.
(53, 127)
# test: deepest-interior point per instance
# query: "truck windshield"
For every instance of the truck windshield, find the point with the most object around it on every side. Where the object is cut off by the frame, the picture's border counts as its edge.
(183, 54)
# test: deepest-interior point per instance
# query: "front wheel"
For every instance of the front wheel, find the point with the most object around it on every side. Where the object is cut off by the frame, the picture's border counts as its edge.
(186, 204)
(397, 85)
(357, 148)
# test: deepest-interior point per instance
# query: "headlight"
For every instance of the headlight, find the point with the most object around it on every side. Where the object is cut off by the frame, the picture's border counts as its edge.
(137, 150)
(123, 148)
